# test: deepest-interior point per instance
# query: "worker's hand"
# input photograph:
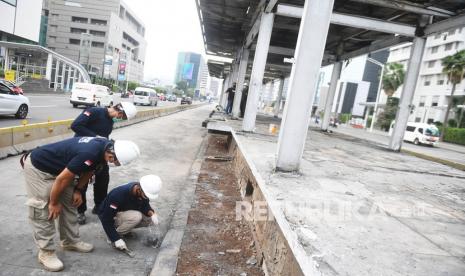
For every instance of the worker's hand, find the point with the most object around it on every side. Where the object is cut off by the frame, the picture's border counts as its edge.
(120, 244)
(77, 198)
(54, 210)
(155, 219)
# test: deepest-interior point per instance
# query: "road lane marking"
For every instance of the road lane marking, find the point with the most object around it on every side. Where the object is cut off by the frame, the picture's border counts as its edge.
(43, 106)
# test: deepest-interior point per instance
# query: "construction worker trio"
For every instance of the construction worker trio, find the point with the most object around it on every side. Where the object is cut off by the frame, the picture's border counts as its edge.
(57, 176)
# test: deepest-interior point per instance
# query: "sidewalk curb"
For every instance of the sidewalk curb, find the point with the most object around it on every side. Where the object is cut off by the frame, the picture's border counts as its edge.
(435, 159)
(167, 258)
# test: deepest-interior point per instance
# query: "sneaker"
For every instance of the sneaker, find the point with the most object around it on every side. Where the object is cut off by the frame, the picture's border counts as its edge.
(81, 218)
(50, 260)
(80, 246)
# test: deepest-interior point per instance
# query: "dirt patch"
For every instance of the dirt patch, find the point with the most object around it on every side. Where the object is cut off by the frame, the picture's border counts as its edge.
(215, 243)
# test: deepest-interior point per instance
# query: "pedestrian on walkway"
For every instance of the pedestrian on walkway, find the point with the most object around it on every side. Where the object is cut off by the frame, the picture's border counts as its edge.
(231, 92)
(52, 193)
(98, 121)
(127, 207)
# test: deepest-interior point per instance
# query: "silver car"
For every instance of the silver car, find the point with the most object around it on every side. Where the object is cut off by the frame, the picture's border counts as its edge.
(12, 103)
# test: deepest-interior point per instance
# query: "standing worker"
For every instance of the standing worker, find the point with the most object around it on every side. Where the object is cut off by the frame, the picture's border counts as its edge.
(98, 121)
(231, 92)
(52, 193)
(127, 207)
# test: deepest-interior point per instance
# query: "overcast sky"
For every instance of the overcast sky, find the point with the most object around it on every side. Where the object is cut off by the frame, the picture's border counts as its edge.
(172, 26)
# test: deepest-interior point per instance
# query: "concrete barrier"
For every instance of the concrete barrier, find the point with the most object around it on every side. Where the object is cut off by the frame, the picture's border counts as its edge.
(18, 139)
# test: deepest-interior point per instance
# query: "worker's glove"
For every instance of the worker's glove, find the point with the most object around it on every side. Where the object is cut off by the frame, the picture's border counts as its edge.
(121, 245)
(154, 219)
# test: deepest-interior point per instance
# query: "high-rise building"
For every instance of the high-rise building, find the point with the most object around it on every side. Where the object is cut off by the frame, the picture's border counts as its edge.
(191, 68)
(20, 20)
(100, 35)
(433, 90)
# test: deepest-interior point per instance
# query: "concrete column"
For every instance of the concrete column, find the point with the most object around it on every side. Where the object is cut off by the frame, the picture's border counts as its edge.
(337, 69)
(258, 71)
(240, 82)
(57, 71)
(7, 59)
(277, 105)
(304, 78)
(63, 74)
(225, 87)
(408, 91)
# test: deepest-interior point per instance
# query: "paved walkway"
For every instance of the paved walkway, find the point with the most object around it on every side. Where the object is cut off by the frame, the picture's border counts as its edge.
(168, 147)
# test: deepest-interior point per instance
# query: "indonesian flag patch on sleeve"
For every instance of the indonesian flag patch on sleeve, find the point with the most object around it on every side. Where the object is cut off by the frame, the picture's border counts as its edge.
(113, 206)
(89, 163)
(87, 113)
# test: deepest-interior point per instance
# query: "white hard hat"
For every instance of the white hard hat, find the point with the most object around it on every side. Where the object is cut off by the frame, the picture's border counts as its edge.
(151, 185)
(129, 109)
(126, 151)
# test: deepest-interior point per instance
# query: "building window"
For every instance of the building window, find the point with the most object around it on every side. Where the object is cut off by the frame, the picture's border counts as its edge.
(11, 2)
(417, 119)
(97, 33)
(54, 17)
(422, 101)
(434, 49)
(451, 32)
(440, 82)
(52, 39)
(449, 46)
(79, 19)
(73, 41)
(427, 81)
(96, 44)
(431, 63)
(78, 31)
(435, 101)
(430, 121)
(98, 22)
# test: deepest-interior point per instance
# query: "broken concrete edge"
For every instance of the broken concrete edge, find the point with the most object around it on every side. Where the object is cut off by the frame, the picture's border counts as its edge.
(452, 164)
(167, 258)
(12, 149)
(306, 265)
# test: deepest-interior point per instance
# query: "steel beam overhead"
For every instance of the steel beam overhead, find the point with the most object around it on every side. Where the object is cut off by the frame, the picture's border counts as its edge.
(271, 5)
(376, 46)
(253, 33)
(354, 21)
(408, 7)
(451, 23)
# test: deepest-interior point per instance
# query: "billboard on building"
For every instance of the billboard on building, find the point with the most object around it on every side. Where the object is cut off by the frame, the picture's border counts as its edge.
(188, 71)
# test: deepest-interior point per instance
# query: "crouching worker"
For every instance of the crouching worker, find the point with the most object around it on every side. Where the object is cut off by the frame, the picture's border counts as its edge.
(52, 192)
(127, 207)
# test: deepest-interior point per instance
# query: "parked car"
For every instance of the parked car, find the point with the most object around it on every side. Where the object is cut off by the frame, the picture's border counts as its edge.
(421, 133)
(145, 96)
(186, 100)
(12, 86)
(88, 94)
(12, 103)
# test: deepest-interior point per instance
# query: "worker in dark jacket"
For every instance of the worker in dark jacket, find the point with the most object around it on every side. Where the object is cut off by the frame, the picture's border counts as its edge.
(98, 121)
(127, 207)
(231, 93)
(52, 192)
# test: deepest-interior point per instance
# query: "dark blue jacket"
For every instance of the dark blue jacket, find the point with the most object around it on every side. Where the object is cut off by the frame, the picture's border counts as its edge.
(120, 199)
(78, 154)
(92, 122)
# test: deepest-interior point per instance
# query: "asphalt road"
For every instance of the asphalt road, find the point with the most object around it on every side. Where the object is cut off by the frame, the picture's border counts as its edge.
(168, 149)
(57, 107)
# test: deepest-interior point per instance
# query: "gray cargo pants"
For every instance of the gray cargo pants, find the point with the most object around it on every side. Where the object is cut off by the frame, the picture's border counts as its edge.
(38, 186)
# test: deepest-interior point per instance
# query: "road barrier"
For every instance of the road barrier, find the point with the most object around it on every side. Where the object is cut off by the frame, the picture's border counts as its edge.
(18, 139)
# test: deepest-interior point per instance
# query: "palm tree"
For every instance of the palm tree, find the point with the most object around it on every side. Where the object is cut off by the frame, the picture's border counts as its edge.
(393, 78)
(454, 67)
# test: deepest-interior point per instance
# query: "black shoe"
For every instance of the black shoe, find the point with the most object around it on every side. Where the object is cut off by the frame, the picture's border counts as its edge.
(95, 209)
(81, 218)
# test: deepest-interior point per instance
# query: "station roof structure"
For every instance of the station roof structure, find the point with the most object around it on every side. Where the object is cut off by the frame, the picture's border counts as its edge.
(229, 25)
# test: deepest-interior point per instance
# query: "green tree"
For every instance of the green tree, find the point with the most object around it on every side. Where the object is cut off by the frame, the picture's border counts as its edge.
(132, 85)
(393, 78)
(454, 67)
(182, 85)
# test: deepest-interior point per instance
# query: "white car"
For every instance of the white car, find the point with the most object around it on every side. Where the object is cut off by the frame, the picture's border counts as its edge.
(421, 133)
(88, 94)
(12, 103)
(145, 96)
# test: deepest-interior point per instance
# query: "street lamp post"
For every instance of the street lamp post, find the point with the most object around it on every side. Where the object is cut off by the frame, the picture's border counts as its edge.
(129, 63)
(374, 61)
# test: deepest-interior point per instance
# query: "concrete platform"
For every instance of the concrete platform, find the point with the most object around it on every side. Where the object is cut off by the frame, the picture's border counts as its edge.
(358, 209)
